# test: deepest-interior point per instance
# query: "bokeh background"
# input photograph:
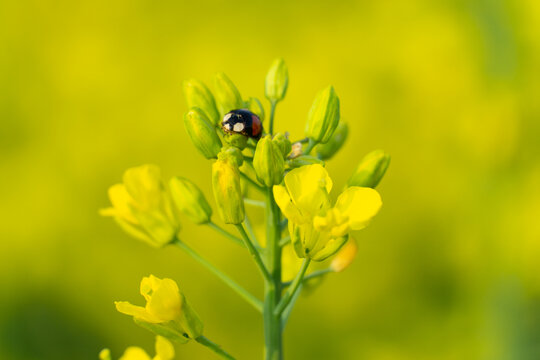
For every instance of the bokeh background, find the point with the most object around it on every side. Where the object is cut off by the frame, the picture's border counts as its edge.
(450, 269)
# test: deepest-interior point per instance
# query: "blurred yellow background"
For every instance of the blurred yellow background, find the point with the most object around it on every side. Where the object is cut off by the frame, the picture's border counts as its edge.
(450, 269)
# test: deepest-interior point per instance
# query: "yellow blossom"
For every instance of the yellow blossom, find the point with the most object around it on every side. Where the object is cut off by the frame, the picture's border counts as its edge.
(318, 229)
(142, 207)
(166, 306)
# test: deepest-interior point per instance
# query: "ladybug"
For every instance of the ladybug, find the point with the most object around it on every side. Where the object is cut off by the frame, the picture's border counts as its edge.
(242, 122)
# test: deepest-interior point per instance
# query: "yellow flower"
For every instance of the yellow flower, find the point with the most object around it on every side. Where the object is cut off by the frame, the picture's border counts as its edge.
(317, 229)
(165, 306)
(142, 207)
(164, 351)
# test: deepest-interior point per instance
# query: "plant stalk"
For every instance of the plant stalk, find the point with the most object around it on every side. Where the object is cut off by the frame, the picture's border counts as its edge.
(203, 340)
(273, 330)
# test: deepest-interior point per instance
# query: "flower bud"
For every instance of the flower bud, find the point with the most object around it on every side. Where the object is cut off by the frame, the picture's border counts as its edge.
(142, 207)
(283, 143)
(303, 160)
(190, 200)
(277, 80)
(371, 170)
(228, 191)
(237, 140)
(232, 154)
(202, 133)
(255, 106)
(198, 95)
(105, 354)
(326, 151)
(345, 256)
(268, 162)
(323, 116)
(227, 95)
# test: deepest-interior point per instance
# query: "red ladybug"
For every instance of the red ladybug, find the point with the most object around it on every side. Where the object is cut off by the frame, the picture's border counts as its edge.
(242, 122)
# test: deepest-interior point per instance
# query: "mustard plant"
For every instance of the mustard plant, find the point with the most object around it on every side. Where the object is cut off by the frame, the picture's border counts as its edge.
(248, 161)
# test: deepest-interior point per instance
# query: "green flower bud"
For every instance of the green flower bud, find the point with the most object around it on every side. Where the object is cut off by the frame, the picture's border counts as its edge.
(268, 162)
(283, 143)
(202, 133)
(370, 170)
(198, 95)
(326, 151)
(237, 140)
(190, 200)
(323, 116)
(228, 192)
(277, 80)
(303, 160)
(227, 95)
(255, 106)
(232, 154)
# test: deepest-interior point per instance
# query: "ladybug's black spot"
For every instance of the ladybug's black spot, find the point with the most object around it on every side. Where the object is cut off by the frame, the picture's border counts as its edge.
(242, 122)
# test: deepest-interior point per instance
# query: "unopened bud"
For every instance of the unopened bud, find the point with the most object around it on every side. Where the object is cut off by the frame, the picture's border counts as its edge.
(277, 80)
(283, 143)
(255, 106)
(227, 95)
(371, 170)
(268, 162)
(345, 256)
(198, 95)
(190, 200)
(323, 116)
(326, 151)
(232, 154)
(237, 140)
(202, 133)
(228, 192)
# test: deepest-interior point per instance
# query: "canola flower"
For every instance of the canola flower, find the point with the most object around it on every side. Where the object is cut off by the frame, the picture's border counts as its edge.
(308, 234)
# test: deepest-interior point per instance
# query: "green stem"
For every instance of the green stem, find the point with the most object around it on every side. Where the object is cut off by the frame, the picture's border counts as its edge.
(288, 310)
(252, 182)
(203, 340)
(225, 233)
(313, 275)
(294, 288)
(253, 251)
(311, 144)
(253, 202)
(284, 241)
(251, 233)
(273, 330)
(252, 300)
(273, 104)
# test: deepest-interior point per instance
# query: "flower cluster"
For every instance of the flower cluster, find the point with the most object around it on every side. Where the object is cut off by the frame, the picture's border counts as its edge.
(250, 165)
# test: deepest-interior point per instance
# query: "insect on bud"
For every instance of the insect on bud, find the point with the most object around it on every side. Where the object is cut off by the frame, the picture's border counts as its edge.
(277, 81)
(268, 162)
(228, 192)
(227, 95)
(190, 200)
(198, 95)
(326, 151)
(371, 170)
(323, 116)
(202, 133)
(283, 143)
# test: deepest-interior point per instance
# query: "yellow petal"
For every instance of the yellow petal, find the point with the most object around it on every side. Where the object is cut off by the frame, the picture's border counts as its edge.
(308, 187)
(143, 183)
(284, 201)
(164, 349)
(136, 311)
(135, 353)
(165, 301)
(360, 205)
(122, 203)
(345, 256)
